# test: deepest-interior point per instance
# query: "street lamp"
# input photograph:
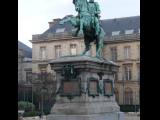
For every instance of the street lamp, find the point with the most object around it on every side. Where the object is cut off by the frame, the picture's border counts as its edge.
(123, 93)
(135, 102)
(32, 96)
(43, 91)
(24, 91)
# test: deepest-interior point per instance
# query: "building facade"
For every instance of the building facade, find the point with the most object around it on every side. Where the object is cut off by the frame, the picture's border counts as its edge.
(24, 63)
(121, 44)
(125, 52)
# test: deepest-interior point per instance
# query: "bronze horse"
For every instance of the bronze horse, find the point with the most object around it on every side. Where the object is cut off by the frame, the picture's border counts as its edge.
(84, 24)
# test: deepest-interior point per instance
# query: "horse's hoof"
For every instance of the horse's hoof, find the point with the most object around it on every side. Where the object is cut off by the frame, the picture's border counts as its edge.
(97, 56)
(80, 33)
(74, 34)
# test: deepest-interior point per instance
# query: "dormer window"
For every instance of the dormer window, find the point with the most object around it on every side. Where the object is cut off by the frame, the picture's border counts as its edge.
(60, 30)
(129, 31)
(114, 33)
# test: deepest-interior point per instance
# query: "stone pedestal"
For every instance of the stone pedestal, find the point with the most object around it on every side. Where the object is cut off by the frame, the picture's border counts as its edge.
(93, 101)
(106, 116)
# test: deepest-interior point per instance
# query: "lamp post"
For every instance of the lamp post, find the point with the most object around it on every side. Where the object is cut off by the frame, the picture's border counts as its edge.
(43, 91)
(24, 88)
(32, 96)
(42, 103)
(135, 102)
(32, 76)
(123, 92)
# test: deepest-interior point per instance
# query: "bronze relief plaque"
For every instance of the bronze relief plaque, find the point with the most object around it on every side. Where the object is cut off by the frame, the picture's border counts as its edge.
(93, 88)
(108, 87)
(70, 88)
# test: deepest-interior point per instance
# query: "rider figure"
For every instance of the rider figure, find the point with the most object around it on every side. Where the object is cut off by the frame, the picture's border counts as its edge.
(94, 10)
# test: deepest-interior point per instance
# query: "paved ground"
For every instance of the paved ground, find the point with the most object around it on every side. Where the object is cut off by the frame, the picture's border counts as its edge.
(132, 116)
(35, 118)
(128, 116)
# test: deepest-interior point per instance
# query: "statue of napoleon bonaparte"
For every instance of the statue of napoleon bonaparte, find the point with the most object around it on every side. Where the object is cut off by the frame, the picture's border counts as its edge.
(93, 8)
(94, 11)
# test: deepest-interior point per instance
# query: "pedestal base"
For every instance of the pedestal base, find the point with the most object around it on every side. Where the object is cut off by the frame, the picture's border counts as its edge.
(90, 104)
(106, 116)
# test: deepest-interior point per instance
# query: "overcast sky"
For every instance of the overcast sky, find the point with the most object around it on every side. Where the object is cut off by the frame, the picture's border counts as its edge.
(34, 15)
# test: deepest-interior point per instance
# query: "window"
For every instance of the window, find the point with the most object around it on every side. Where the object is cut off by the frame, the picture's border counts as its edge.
(43, 75)
(129, 31)
(42, 53)
(74, 29)
(127, 53)
(57, 51)
(73, 48)
(128, 95)
(28, 76)
(59, 30)
(116, 95)
(127, 72)
(113, 54)
(114, 33)
(116, 76)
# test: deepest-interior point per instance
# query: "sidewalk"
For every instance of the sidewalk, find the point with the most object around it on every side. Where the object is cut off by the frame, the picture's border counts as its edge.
(128, 116)
(35, 118)
(132, 116)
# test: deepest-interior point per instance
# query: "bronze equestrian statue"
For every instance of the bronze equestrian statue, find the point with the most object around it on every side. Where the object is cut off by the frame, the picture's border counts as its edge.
(87, 24)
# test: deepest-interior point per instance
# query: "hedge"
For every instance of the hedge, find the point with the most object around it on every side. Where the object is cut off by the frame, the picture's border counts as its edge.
(27, 106)
(129, 108)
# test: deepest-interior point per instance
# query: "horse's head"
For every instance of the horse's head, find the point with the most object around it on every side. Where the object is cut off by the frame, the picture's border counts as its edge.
(74, 1)
(73, 20)
(65, 19)
(80, 5)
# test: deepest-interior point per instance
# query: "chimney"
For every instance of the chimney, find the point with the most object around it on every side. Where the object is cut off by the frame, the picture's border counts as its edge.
(53, 22)
(50, 24)
(56, 20)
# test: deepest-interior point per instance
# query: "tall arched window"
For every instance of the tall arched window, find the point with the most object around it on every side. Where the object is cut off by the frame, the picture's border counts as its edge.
(128, 96)
(116, 95)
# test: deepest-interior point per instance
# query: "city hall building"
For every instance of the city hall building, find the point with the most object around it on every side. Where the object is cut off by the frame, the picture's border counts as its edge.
(121, 45)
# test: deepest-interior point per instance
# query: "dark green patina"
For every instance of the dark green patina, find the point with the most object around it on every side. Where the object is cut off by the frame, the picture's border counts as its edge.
(69, 72)
(87, 24)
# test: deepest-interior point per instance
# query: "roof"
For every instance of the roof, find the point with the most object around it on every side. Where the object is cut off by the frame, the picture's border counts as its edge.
(26, 50)
(121, 24)
(109, 25)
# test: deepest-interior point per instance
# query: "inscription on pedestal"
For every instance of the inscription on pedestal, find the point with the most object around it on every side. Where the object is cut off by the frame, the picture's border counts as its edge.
(108, 87)
(93, 88)
(70, 88)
